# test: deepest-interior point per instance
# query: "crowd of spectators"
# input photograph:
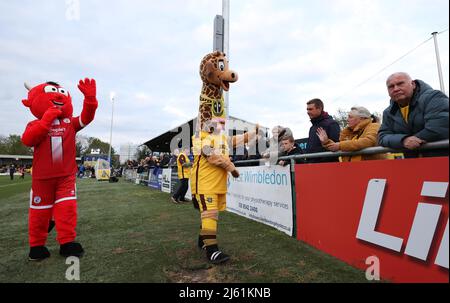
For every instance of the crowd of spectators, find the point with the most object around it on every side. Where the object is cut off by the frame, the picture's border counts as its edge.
(417, 114)
(86, 171)
(163, 160)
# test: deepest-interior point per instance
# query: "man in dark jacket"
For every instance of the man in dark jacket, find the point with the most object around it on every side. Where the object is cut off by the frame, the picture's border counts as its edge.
(417, 114)
(320, 118)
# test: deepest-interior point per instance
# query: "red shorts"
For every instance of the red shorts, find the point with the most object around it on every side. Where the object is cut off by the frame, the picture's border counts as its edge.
(47, 192)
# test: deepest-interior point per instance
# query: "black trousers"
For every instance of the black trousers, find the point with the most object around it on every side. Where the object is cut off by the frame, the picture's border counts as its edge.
(183, 186)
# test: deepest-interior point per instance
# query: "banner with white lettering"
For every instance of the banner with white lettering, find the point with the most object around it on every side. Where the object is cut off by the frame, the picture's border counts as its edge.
(387, 217)
(263, 194)
(166, 180)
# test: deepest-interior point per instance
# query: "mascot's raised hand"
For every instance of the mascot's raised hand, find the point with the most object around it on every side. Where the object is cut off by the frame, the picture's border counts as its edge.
(89, 89)
(53, 194)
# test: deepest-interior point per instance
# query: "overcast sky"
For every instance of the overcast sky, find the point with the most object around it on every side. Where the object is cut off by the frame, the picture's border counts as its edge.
(286, 52)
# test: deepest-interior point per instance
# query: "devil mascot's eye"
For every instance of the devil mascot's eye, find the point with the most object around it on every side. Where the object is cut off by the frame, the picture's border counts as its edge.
(50, 89)
(63, 91)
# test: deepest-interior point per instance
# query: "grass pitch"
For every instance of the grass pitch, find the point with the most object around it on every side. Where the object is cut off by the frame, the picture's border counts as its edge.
(131, 233)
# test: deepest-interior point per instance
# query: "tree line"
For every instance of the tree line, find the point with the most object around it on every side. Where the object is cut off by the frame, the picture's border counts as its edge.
(12, 145)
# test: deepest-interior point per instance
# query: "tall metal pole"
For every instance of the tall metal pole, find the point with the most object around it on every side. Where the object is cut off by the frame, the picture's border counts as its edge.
(226, 49)
(110, 133)
(438, 59)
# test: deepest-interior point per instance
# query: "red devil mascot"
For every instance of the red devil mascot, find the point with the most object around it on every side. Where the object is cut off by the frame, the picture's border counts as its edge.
(53, 189)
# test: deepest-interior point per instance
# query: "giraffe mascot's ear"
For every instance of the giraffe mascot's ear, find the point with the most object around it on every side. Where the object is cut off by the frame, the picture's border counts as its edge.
(27, 102)
(209, 72)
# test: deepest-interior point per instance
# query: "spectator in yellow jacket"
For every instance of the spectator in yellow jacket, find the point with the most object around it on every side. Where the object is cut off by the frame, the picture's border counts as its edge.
(184, 172)
(361, 132)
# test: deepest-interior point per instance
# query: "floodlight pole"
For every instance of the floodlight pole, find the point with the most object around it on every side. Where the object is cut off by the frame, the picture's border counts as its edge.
(110, 132)
(438, 60)
(226, 50)
(221, 42)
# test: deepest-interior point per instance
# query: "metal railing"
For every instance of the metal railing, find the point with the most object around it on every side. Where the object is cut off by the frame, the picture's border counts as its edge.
(438, 145)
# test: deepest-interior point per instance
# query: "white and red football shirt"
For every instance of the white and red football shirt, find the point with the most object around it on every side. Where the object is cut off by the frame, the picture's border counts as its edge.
(55, 155)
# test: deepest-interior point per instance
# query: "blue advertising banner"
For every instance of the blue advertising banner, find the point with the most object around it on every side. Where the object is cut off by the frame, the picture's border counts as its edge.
(155, 178)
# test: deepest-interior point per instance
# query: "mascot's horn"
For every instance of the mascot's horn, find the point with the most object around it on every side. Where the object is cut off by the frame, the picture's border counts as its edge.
(27, 86)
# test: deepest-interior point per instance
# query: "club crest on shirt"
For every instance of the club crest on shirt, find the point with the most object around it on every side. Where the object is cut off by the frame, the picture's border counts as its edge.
(66, 120)
(37, 200)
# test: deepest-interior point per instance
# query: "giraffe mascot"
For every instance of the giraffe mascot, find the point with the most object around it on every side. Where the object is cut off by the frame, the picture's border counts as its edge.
(211, 152)
(53, 190)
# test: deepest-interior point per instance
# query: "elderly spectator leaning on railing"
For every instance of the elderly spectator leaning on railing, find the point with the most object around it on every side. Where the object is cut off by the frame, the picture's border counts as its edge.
(361, 132)
(417, 114)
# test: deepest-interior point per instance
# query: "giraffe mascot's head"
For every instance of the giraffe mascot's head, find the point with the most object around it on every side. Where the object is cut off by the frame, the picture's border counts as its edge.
(216, 78)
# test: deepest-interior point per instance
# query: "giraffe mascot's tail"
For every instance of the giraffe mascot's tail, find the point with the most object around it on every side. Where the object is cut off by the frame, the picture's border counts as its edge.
(211, 152)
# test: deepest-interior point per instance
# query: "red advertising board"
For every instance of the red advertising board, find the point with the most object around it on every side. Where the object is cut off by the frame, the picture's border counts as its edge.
(395, 210)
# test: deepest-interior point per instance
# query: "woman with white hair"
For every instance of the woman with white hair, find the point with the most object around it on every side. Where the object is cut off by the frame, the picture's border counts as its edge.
(274, 147)
(361, 132)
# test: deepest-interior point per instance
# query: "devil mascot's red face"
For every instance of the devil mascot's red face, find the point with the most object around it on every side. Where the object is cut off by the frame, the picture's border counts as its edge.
(48, 95)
